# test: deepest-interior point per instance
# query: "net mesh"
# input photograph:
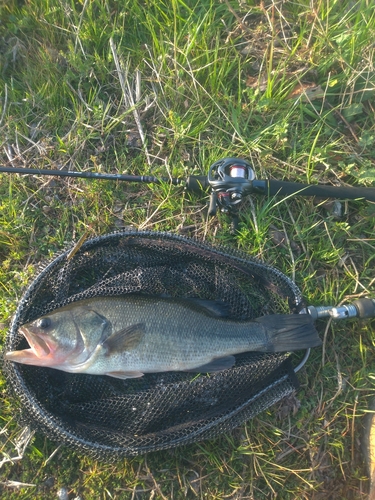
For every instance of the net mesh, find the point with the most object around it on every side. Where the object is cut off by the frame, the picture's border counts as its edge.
(110, 418)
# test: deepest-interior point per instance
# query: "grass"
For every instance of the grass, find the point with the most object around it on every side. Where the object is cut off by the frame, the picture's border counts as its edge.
(288, 86)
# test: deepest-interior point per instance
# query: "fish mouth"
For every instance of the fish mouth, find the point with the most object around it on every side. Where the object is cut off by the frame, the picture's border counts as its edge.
(38, 354)
(38, 346)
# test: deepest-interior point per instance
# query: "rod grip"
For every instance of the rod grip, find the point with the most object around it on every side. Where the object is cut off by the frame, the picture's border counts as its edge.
(284, 188)
(365, 308)
(197, 183)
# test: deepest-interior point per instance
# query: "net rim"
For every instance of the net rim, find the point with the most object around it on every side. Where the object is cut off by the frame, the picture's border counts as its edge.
(52, 423)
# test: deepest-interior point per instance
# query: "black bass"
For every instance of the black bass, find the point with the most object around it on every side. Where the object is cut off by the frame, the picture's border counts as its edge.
(128, 336)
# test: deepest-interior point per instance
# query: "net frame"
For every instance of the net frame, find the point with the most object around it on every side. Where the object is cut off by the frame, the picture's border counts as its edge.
(109, 419)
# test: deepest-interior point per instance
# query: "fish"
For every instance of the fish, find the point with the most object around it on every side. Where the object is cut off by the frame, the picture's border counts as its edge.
(128, 336)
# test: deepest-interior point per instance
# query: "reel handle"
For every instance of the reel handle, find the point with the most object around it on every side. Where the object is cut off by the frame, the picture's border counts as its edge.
(213, 204)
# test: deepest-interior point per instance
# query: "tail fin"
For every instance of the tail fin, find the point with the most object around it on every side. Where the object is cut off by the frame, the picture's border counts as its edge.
(289, 332)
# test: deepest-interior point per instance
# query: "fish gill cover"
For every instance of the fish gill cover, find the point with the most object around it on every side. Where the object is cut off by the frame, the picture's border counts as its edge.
(110, 418)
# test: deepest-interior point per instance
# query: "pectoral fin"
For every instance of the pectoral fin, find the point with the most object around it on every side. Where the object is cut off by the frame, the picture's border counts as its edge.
(216, 365)
(124, 340)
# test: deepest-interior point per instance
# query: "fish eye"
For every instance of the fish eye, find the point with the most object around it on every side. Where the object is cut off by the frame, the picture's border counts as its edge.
(44, 323)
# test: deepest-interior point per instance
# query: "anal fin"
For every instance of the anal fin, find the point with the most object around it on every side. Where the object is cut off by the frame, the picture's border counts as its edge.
(124, 374)
(216, 365)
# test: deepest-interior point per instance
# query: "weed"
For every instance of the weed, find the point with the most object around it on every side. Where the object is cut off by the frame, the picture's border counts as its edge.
(167, 88)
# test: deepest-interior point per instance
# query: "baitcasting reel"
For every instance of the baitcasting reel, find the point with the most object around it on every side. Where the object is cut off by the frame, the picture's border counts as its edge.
(230, 179)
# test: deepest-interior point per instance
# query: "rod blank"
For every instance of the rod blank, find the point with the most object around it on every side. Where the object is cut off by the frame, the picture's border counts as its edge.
(91, 175)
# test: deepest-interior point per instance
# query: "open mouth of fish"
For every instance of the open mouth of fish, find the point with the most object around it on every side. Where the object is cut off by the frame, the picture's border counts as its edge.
(38, 348)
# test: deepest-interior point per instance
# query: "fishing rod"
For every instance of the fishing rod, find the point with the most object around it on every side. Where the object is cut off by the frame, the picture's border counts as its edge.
(229, 180)
(363, 308)
(90, 175)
